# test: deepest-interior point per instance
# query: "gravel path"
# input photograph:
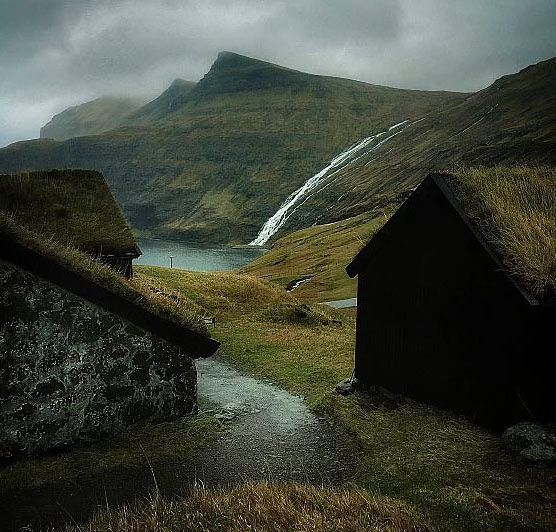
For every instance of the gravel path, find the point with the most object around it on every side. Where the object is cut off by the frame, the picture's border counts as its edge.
(268, 434)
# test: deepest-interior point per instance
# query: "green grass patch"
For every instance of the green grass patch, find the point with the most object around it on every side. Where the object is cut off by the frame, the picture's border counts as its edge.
(136, 448)
(321, 252)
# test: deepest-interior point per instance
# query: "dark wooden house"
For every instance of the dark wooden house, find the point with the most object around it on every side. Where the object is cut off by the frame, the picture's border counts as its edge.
(71, 207)
(439, 318)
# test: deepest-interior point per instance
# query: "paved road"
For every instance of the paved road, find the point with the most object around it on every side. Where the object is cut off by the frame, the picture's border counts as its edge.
(269, 435)
(343, 303)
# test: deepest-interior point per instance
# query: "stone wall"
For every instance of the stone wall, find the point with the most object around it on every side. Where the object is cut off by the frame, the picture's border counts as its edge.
(71, 372)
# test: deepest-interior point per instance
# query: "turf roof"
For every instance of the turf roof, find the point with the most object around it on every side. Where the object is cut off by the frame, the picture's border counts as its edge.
(182, 313)
(73, 207)
(515, 210)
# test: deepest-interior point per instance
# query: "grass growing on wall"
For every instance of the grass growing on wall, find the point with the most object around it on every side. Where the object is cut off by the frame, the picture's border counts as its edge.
(515, 208)
(184, 313)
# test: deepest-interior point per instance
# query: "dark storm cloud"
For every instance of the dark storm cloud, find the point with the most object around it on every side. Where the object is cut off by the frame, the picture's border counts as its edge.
(56, 53)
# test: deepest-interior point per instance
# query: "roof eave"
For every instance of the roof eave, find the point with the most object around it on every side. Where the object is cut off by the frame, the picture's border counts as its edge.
(195, 344)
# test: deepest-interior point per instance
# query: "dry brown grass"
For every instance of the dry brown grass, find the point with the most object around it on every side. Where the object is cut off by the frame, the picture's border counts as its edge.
(217, 293)
(515, 208)
(263, 507)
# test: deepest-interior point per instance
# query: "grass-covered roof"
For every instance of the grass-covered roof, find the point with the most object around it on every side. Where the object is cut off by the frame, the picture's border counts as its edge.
(73, 207)
(515, 210)
(183, 312)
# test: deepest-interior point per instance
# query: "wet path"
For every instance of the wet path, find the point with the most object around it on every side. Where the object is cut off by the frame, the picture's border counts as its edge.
(268, 434)
(271, 434)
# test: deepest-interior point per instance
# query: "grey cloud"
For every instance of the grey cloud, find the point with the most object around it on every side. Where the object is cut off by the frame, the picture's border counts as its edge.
(56, 53)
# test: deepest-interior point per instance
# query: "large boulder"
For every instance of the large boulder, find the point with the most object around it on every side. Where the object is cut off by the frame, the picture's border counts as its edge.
(531, 442)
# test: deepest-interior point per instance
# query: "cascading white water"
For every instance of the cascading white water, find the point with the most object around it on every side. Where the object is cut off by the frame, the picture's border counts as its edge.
(281, 216)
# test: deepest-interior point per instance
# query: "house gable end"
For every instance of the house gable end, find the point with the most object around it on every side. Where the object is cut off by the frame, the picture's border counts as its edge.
(432, 189)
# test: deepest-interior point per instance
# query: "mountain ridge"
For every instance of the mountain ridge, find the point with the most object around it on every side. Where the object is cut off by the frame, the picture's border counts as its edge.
(238, 143)
(512, 121)
(90, 118)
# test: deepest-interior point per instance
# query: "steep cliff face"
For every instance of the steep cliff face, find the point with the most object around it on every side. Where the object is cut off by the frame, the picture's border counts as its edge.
(71, 372)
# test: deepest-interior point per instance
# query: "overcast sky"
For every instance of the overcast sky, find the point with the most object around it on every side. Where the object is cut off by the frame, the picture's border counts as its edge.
(57, 53)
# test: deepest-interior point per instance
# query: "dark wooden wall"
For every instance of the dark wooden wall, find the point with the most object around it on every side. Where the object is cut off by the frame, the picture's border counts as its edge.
(438, 321)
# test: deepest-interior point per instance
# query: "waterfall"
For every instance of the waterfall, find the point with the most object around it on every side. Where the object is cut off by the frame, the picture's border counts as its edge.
(281, 216)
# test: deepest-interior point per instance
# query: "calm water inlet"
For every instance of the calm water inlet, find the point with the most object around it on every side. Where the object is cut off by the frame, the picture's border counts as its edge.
(194, 256)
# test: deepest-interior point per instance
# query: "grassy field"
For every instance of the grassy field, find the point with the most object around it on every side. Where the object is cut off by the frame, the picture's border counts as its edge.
(445, 473)
(451, 470)
(139, 447)
(320, 252)
(515, 209)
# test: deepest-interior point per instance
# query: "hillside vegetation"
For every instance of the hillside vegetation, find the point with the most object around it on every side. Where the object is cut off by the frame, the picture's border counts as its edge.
(213, 162)
(90, 118)
(218, 161)
(515, 209)
(318, 256)
(512, 121)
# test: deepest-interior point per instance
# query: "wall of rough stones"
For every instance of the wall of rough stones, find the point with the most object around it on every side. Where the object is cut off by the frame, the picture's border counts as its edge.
(71, 372)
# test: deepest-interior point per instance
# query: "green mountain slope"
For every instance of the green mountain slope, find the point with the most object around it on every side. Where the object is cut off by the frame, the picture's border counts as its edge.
(91, 118)
(512, 121)
(231, 149)
(318, 256)
(167, 103)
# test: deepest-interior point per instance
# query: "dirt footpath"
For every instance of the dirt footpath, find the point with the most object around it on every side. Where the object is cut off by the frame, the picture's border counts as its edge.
(268, 434)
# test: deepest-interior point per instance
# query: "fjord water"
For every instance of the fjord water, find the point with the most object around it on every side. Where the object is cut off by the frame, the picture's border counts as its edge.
(198, 257)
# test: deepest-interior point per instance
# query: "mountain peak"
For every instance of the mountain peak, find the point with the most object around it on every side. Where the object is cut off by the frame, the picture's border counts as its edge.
(180, 82)
(230, 60)
(233, 72)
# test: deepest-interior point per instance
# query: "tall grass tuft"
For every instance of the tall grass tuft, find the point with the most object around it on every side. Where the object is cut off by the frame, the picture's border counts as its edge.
(263, 507)
(515, 208)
